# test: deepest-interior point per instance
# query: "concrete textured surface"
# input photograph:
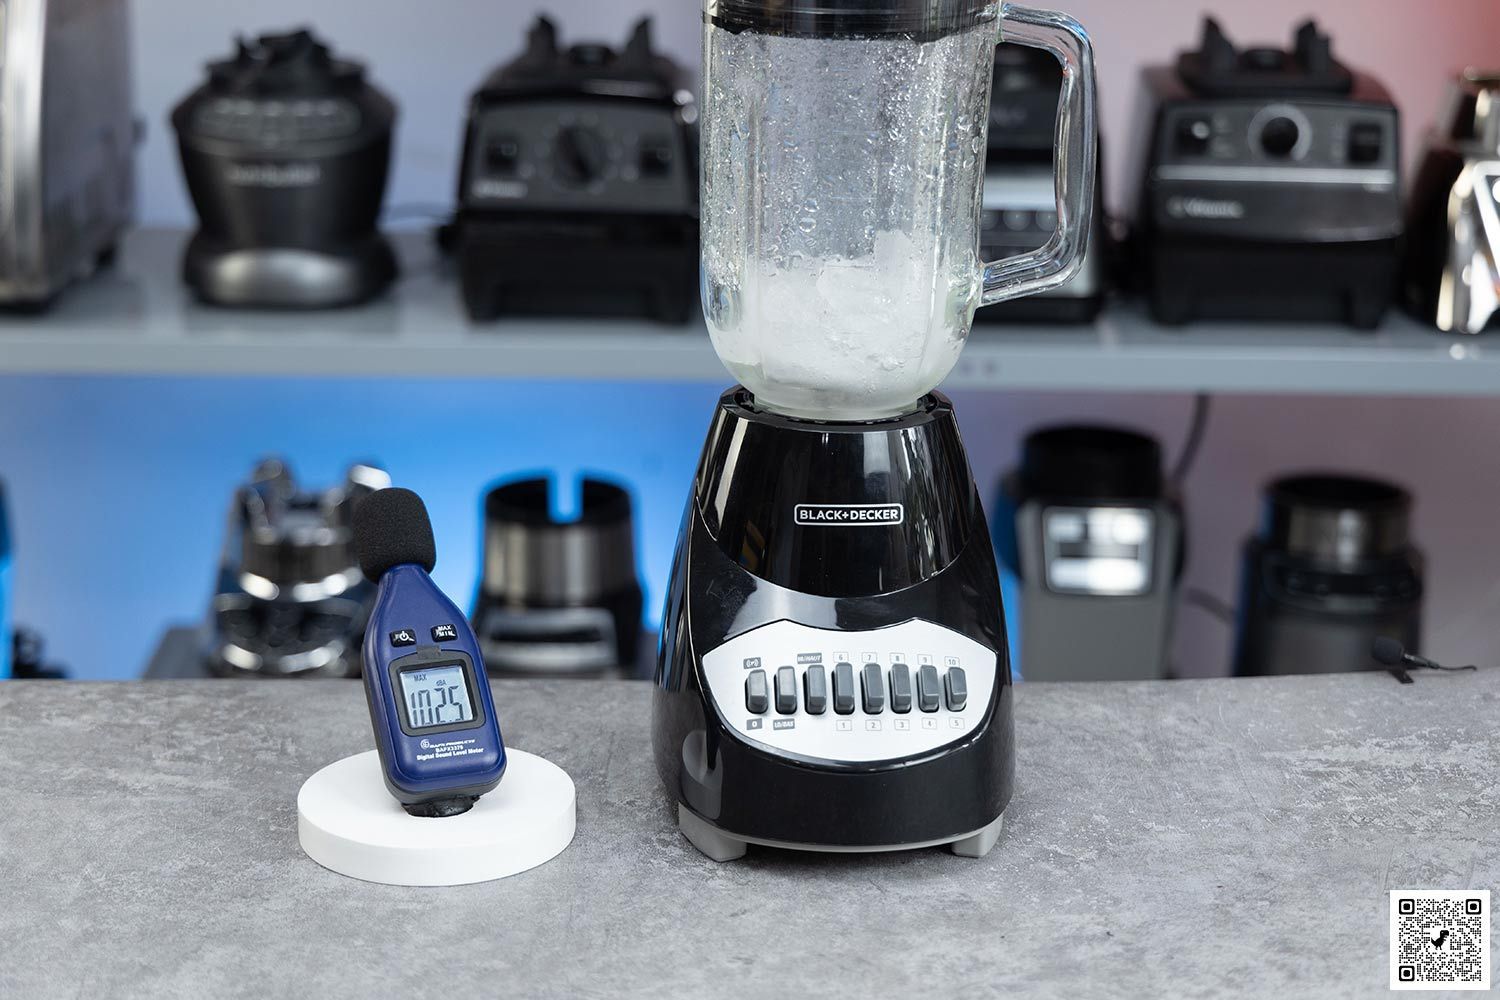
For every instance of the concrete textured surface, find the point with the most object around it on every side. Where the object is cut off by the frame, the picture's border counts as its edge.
(1200, 838)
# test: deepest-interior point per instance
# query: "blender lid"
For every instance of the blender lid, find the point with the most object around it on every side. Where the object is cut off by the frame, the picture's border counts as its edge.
(915, 19)
(292, 63)
(637, 69)
(1217, 68)
(1085, 462)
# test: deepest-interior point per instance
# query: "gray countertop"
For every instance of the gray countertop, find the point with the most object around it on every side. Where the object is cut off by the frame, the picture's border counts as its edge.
(1207, 838)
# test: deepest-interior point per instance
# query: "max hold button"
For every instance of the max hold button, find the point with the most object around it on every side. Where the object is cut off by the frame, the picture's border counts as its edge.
(444, 633)
(757, 695)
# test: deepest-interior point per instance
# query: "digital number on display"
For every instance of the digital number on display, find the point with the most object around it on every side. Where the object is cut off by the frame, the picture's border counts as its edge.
(436, 697)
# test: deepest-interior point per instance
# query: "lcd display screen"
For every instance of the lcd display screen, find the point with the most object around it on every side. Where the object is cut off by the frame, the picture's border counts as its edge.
(436, 696)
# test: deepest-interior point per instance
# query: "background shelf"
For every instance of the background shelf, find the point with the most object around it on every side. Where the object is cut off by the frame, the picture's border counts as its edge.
(137, 318)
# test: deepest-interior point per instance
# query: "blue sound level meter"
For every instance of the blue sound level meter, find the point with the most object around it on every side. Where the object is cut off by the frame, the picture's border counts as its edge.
(430, 704)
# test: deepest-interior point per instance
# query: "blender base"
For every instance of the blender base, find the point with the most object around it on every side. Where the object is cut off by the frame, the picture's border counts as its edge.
(718, 845)
(832, 672)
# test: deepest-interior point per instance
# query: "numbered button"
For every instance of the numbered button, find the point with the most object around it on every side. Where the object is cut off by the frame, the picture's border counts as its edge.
(757, 697)
(786, 690)
(958, 689)
(816, 681)
(874, 684)
(843, 688)
(928, 690)
(900, 688)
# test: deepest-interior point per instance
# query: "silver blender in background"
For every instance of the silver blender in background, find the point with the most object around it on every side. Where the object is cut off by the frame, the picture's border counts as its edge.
(832, 673)
(1453, 221)
(291, 601)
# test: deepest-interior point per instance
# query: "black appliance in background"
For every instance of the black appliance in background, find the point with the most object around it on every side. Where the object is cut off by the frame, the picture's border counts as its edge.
(1270, 187)
(28, 658)
(285, 150)
(1330, 570)
(578, 185)
(1019, 212)
(1092, 529)
(291, 601)
(1453, 224)
(559, 598)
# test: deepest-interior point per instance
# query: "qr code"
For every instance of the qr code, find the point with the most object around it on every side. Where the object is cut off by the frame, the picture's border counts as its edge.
(1440, 940)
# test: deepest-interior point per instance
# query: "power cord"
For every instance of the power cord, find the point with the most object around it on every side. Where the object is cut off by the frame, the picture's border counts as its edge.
(1192, 442)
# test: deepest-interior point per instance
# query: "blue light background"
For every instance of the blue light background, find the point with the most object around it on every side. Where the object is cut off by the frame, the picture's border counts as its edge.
(119, 487)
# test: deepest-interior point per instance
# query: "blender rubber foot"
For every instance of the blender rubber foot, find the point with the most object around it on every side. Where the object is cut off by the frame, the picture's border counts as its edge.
(711, 841)
(977, 845)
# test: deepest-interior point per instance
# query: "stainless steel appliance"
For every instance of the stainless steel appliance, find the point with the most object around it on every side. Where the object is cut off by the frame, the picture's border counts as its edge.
(832, 672)
(285, 151)
(559, 597)
(1331, 569)
(1453, 224)
(1270, 186)
(1089, 525)
(291, 600)
(576, 154)
(67, 142)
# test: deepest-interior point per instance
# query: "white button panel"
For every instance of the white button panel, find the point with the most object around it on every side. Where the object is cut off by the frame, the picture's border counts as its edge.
(859, 735)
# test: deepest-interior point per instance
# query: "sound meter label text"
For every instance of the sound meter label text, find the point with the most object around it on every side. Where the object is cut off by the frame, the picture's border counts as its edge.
(849, 515)
(449, 748)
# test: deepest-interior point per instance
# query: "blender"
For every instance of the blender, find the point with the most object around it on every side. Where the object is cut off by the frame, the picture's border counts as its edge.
(832, 673)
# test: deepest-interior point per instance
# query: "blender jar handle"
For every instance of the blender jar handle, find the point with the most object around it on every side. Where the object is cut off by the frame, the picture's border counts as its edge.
(1077, 147)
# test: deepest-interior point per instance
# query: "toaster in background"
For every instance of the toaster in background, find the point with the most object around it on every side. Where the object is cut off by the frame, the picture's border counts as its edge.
(571, 156)
(1452, 277)
(1270, 187)
(67, 142)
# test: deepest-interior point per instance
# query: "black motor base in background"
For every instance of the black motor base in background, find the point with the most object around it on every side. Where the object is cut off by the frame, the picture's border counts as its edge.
(575, 265)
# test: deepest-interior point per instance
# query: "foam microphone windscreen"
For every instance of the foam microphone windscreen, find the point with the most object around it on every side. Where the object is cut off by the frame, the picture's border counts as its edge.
(1387, 650)
(391, 528)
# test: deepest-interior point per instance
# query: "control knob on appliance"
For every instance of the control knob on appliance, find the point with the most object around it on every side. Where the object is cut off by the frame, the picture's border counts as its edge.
(579, 155)
(1279, 137)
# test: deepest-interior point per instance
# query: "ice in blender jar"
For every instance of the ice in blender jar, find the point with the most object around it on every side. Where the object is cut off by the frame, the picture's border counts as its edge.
(843, 157)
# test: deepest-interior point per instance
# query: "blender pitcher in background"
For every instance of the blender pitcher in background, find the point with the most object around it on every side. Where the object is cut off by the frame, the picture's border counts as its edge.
(843, 161)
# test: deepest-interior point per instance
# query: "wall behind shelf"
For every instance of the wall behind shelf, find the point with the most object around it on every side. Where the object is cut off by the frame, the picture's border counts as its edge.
(119, 486)
(429, 57)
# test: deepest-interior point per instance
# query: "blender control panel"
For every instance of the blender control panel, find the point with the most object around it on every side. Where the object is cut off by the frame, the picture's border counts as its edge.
(827, 694)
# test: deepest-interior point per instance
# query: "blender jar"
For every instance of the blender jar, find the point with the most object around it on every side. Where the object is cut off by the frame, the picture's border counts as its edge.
(843, 157)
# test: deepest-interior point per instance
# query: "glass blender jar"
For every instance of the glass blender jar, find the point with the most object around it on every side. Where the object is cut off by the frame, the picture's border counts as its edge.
(843, 159)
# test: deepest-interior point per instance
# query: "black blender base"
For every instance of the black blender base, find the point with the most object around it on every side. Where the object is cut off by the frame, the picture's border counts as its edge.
(718, 845)
(833, 672)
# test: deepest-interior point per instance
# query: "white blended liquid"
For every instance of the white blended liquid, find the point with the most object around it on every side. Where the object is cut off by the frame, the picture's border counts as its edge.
(840, 214)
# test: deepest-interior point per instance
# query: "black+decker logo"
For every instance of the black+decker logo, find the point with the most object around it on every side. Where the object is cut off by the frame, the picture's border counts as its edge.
(848, 514)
